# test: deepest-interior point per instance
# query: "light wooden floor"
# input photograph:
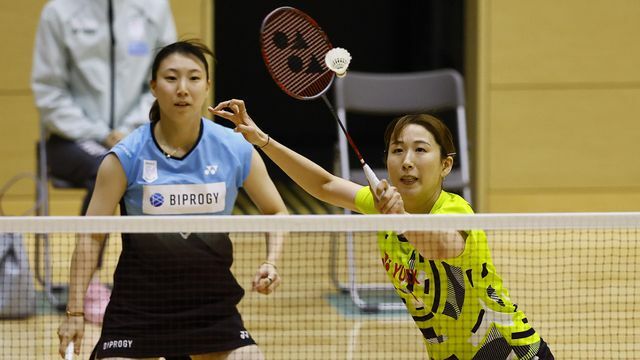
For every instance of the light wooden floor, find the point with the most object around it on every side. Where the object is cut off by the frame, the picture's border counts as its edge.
(579, 290)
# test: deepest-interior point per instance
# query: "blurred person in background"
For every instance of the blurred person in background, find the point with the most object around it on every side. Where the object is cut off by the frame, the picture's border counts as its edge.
(90, 80)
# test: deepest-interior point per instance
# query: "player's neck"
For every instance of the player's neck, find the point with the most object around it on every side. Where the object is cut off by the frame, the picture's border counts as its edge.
(177, 139)
(420, 204)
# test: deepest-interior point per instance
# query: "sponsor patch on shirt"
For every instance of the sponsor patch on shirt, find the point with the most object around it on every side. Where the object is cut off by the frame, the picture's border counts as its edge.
(150, 171)
(183, 199)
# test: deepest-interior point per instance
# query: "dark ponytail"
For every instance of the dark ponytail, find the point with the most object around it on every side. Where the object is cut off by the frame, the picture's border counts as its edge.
(154, 113)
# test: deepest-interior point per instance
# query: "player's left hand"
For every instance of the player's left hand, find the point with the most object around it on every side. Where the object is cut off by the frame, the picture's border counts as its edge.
(267, 279)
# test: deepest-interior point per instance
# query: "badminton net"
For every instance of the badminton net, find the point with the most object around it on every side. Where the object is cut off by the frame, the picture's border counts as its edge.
(573, 275)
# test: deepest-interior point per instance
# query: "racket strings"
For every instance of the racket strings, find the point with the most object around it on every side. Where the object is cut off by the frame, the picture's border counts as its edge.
(294, 48)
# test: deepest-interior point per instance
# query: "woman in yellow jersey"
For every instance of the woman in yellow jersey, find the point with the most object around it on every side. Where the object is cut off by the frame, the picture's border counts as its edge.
(447, 279)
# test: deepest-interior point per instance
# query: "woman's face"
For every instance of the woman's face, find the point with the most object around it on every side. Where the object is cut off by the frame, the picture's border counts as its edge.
(416, 168)
(181, 86)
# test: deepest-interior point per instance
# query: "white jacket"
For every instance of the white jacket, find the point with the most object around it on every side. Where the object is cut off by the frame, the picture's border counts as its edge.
(71, 76)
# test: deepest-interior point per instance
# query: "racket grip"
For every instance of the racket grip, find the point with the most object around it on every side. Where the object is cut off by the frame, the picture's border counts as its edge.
(371, 176)
(68, 353)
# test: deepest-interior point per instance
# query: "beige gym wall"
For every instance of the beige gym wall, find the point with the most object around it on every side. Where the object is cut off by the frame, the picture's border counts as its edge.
(18, 115)
(555, 94)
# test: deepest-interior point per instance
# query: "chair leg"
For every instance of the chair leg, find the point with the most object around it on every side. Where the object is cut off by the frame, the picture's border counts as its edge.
(352, 287)
(42, 204)
(42, 256)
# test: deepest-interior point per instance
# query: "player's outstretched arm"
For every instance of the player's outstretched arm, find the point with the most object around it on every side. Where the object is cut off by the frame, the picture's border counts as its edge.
(310, 176)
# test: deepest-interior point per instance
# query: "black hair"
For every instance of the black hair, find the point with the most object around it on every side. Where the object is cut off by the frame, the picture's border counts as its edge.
(435, 126)
(186, 47)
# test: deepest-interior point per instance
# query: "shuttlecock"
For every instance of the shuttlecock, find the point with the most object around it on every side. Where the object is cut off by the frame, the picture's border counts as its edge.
(337, 60)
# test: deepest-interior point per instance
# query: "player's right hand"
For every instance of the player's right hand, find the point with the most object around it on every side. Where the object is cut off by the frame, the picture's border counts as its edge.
(71, 330)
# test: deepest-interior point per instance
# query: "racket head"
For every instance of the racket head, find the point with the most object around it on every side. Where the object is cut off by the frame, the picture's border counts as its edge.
(293, 47)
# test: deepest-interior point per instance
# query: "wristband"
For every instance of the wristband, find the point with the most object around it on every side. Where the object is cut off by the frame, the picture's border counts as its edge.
(75, 313)
(270, 263)
(268, 139)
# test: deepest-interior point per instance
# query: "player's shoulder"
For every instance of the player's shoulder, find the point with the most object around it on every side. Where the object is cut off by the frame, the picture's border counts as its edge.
(211, 125)
(132, 144)
(222, 132)
(141, 133)
(364, 201)
(450, 203)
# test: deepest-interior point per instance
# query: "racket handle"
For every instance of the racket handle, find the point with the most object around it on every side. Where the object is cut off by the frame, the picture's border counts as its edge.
(68, 353)
(371, 176)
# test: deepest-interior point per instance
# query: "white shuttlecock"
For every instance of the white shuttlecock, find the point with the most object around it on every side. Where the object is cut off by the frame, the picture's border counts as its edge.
(337, 60)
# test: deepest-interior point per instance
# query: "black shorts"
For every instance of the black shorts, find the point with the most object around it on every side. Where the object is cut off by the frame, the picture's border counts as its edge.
(220, 334)
(173, 296)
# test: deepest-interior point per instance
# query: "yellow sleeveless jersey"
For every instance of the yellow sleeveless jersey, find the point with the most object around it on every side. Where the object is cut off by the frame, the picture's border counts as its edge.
(458, 304)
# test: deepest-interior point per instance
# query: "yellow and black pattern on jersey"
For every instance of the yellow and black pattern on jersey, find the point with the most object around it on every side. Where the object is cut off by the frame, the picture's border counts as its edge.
(459, 304)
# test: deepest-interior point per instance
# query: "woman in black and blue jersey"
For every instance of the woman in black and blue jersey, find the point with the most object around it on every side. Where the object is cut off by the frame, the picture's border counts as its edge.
(175, 294)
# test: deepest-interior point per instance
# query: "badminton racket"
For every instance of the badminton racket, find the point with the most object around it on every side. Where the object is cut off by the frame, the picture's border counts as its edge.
(303, 63)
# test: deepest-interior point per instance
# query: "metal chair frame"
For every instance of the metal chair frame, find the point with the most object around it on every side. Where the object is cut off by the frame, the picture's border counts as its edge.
(53, 292)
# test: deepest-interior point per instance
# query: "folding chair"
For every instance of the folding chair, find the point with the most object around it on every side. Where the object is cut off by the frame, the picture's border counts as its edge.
(44, 272)
(396, 94)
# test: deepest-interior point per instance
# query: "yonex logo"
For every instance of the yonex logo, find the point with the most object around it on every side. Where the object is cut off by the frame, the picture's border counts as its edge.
(210, 169)
(156, 200)
(295, 62)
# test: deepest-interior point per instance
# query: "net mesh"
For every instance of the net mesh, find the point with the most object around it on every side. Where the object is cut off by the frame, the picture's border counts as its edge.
(573, 275)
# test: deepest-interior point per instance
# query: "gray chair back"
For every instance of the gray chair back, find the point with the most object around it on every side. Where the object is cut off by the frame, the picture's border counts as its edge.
(405, 93)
